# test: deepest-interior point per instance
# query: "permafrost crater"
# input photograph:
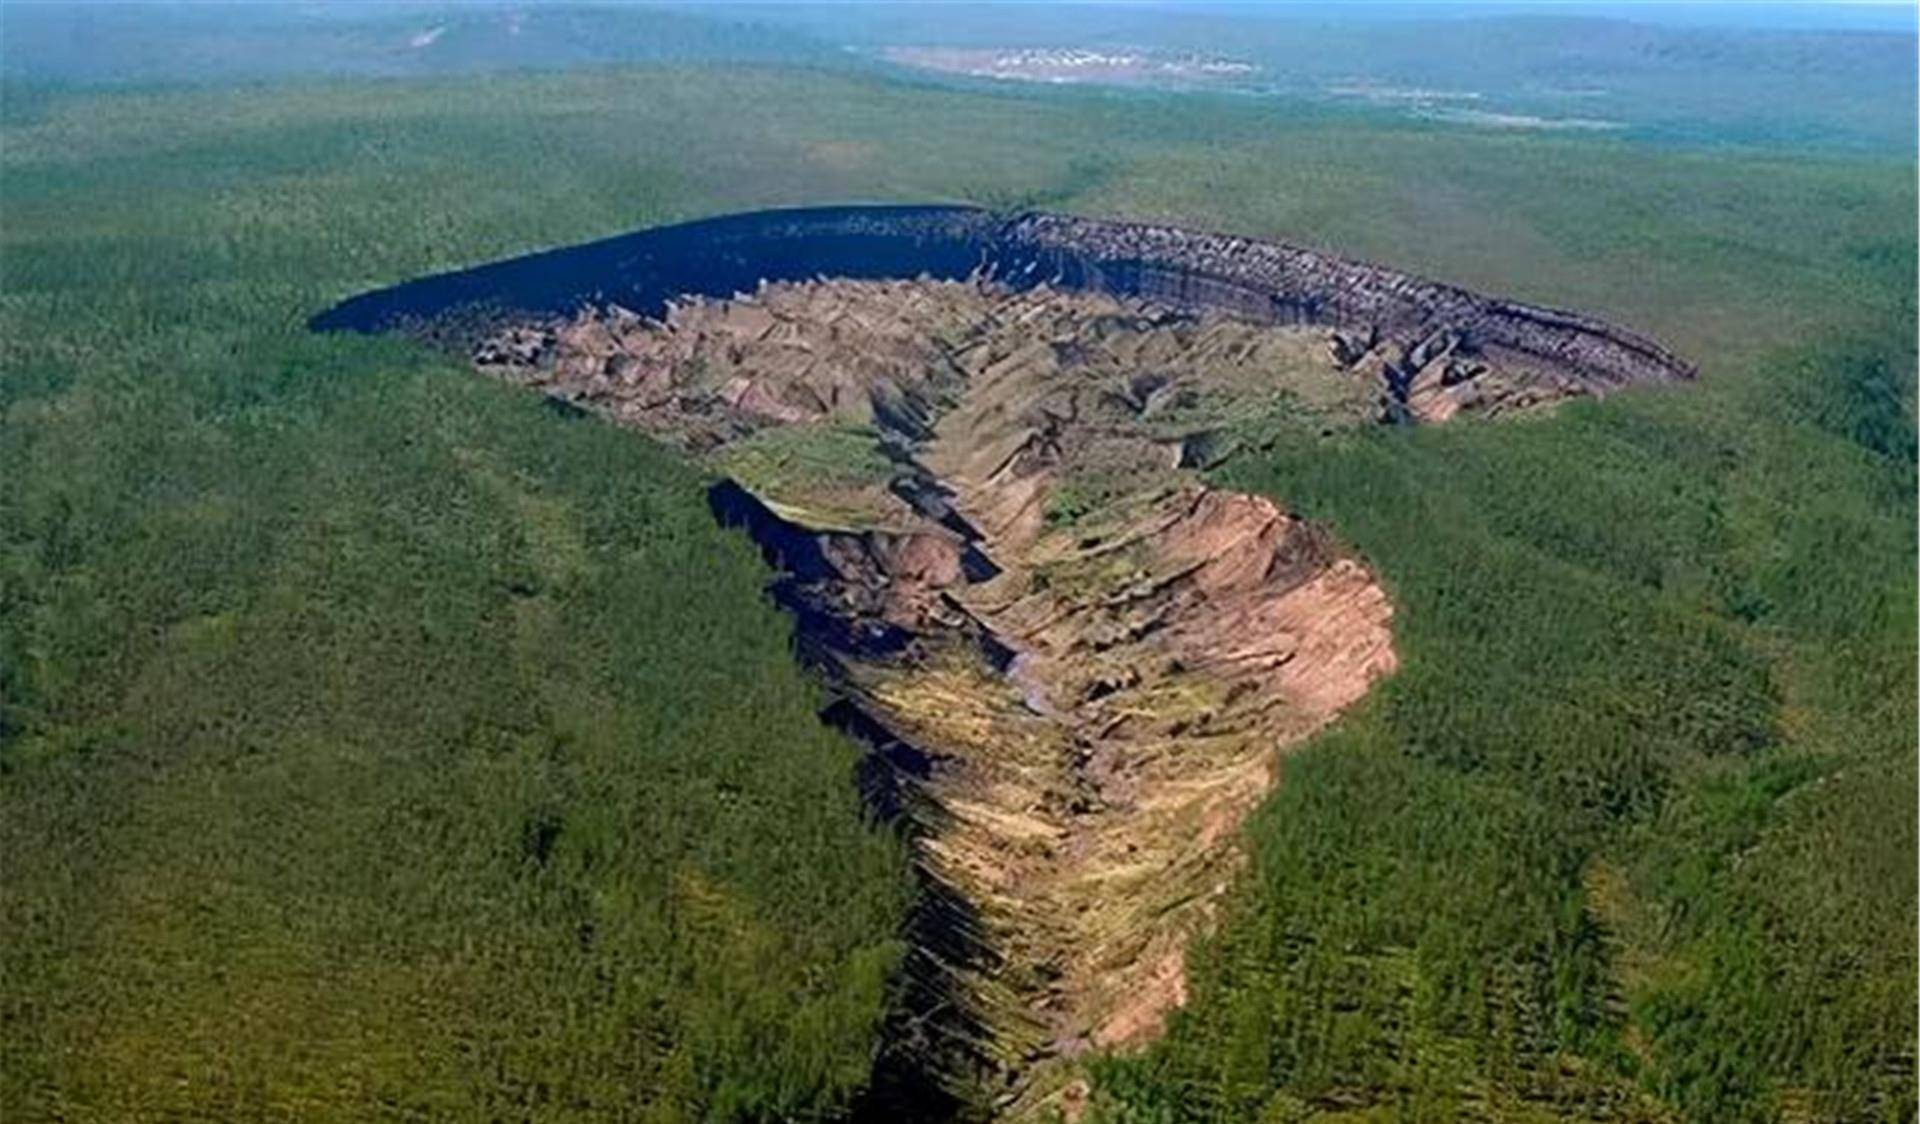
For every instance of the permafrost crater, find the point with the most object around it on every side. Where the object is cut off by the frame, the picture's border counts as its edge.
(973, 447)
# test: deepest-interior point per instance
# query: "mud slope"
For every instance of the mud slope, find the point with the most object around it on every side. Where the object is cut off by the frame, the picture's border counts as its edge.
(1077, 663)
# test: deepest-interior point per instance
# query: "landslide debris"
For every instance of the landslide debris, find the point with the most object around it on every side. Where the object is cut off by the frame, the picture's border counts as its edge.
(1077, 661)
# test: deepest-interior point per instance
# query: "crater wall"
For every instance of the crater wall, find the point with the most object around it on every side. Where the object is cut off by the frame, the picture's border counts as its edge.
(972, 447)
(1249, 278)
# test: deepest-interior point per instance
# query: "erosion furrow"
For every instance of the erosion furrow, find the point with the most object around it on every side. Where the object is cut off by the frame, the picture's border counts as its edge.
(1100, 701)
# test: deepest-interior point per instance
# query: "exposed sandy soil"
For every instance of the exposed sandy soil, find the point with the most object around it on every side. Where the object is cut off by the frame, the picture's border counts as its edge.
(1096, 658)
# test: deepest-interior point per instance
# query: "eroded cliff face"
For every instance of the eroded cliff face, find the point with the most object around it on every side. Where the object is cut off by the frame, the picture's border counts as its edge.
(1077, 663)
(1272, 281)
(1250, 279)
(1083, 660)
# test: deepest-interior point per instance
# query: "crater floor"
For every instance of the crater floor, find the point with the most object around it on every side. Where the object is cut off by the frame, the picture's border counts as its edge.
(1078, 661)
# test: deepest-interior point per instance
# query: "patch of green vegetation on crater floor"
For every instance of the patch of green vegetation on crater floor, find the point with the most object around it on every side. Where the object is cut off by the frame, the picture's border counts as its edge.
(829, 476)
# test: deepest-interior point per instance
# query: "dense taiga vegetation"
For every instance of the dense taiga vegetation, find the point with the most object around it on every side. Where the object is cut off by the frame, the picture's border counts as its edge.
(375, 741)
(1640, 802)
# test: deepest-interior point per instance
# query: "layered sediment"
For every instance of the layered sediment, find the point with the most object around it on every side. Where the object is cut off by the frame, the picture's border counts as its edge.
(1077, 662)
(1254, 279)
(1272, 281)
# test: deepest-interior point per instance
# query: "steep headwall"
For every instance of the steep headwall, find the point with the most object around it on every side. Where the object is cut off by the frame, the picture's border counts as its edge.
(1274, 281)
(1246, 277)
(711, 257)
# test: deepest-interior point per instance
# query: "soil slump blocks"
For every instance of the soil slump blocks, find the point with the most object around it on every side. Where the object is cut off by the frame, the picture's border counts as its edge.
(1076, 661)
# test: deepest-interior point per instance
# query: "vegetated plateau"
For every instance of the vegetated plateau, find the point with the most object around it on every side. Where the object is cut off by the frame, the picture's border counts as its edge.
(378, 740)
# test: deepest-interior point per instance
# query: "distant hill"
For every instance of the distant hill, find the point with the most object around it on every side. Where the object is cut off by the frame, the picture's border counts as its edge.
(198, 42)
(1670, 72)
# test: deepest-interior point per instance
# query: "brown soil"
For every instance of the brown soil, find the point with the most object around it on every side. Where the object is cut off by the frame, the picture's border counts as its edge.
(1101, 657)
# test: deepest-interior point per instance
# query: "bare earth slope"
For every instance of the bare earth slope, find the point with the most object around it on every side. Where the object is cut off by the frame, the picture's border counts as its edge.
(1078, 661)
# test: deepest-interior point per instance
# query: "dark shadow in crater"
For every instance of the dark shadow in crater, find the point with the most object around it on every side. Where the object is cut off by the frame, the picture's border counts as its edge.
(933, 1049)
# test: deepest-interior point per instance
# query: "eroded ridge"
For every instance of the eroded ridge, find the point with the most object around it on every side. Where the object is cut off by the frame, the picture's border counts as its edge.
(1080, 660)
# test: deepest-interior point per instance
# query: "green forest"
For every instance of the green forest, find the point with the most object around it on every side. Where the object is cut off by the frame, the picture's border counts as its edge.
(1633, 827)
(377, 742)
